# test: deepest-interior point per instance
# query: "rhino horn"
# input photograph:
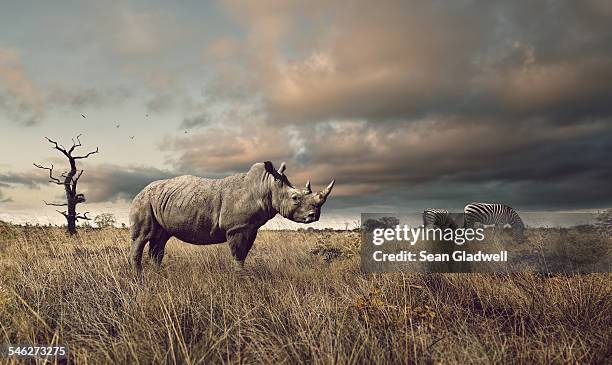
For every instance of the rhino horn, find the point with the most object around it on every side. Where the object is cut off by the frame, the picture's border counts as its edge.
(328, 189)
(308, 186)
(282, 168)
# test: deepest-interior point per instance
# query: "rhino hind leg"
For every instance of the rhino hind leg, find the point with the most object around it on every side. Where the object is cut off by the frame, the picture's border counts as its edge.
(240, 243)
(136, 254)
(157, 246)
(144, 228)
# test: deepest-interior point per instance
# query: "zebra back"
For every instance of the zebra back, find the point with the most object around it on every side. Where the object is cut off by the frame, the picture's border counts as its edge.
(493, 213)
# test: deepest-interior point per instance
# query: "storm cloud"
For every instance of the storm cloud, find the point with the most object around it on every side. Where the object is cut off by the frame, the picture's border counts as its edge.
(408, 59)
(27, 179)
(403, 94)
(195, 121)
(111, 183)
(529, 164)
(100, 183)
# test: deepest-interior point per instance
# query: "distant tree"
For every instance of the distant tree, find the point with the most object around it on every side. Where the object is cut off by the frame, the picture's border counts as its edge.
(604, 220)
(370, 225)
(105, 220)
(384, 222)
(70, 180)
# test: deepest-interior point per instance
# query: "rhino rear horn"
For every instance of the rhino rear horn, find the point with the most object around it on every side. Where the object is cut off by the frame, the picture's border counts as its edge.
(328, 189)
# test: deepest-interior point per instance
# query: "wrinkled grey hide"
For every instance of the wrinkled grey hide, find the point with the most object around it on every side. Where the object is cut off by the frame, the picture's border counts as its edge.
(206, 211)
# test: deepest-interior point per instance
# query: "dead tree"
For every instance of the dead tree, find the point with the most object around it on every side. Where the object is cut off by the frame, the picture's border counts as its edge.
(70, 180)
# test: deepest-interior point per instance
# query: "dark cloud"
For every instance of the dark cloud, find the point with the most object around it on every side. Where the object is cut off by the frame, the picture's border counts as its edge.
(529, 164)
(422, 101)
(438, 162)
(100, 183)
(104, 183)
(410, 59)
(29, 180)
(88, 97)
(161, 102)
(199, 120)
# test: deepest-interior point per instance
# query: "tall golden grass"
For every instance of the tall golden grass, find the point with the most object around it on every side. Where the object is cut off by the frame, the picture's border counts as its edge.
(291, 304)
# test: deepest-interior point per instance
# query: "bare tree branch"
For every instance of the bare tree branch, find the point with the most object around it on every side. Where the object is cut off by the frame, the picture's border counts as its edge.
(87, 155)
(76, 179)
(51, 177)
(58, 147)
(56, 204)
(62, 213)
(52, 141)
(75, 144)
(83, 216)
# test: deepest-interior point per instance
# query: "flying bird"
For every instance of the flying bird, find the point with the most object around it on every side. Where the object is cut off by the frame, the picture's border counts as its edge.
(117, 125)
(132, 137)
(147, 115)
(83, 115)
(185, 132)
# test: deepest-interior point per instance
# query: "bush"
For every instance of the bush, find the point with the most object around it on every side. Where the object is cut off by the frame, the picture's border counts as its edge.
(384, 222)
(105, 220)
(337, 246)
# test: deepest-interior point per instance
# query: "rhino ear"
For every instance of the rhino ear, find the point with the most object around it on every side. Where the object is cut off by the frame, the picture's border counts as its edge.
(308, 186)
(269, 167)
(282, 168)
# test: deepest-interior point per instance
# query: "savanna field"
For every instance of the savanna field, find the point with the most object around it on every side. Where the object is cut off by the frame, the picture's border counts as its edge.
(301, 299)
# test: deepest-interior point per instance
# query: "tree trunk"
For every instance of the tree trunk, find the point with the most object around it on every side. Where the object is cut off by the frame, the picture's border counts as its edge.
(71, 216)
(70, 186)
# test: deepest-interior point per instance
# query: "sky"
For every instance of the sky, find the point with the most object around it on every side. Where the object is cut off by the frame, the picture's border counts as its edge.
(407, 104)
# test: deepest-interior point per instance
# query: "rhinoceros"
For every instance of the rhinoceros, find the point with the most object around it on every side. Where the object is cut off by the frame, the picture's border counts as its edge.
(208, 211)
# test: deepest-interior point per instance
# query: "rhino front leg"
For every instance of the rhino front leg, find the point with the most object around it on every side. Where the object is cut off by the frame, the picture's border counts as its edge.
(240, 243)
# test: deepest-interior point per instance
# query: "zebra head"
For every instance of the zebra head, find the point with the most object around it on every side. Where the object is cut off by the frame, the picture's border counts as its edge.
(518, 229)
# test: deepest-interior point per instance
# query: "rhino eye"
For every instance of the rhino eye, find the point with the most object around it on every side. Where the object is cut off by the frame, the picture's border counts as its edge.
(295, 198)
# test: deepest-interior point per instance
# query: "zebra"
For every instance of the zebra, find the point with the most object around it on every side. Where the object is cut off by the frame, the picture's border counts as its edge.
(437, 218)
(498, 214)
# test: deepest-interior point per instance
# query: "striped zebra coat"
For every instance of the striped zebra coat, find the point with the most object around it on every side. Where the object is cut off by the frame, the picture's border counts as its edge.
(497, 214)
(437, 218)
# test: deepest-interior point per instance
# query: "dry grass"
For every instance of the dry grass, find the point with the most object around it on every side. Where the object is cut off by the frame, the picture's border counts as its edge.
(288, 306)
